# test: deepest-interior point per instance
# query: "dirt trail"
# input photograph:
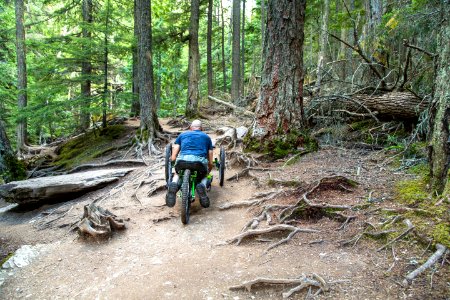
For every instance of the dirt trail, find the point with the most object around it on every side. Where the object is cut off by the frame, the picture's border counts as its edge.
(157, 257)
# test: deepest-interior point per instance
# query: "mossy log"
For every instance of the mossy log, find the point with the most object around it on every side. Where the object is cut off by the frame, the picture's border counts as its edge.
(60, 188)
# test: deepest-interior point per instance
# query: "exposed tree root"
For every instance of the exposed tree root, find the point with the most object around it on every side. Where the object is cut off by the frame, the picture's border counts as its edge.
(402, 235)
(246, 173)
(280, 227)
(312, 280)
(440, 251)
(256, 200)
(98, 222)
(237, 158)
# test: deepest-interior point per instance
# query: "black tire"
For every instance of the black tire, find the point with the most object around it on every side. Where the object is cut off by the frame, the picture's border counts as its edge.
(222, 166)
(185, 197)
(168, 164)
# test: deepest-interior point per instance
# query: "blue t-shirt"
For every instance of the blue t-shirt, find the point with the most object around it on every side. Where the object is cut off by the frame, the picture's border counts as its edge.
(194, 142)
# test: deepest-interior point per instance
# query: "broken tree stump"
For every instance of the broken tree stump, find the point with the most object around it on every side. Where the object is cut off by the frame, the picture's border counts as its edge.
(98, 222)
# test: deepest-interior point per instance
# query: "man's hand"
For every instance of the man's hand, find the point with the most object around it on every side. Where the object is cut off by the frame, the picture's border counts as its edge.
(210, 160)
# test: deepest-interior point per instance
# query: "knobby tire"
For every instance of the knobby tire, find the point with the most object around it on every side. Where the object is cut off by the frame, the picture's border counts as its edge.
(222, 166)
(185, 197)
(168, 164)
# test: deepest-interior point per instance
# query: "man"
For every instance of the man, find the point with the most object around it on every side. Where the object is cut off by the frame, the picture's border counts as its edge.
(192, 150)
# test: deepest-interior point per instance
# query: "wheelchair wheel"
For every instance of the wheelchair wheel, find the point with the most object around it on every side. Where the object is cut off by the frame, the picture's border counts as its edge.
(185, 197)
(168, 164)
(222, 166)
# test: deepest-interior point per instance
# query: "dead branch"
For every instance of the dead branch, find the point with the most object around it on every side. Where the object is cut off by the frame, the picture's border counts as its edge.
(440, 251)
(232, 106)
(407, 44)
(403, 234)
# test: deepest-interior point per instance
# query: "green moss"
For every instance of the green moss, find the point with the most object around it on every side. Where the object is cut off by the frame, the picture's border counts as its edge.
(5, 259)
(14, 169)
(282, 144)
(441, 234)
(412, 192)
(88, 146)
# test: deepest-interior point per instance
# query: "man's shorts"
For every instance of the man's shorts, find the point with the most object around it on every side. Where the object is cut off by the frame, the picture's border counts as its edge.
(192, 162)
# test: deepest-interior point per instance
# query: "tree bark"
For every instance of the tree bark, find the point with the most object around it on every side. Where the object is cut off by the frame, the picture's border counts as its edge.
(323, 44)
(235, 54)
(86, 66)
(224, 69)
(135, 105)
(149, 119)
(242, 92)
(263, 29)
(194, 62)
(105, 71)
(8, 161)
(393, 105)
(21, 74)
(209, 49)
(440, 113)
(280, 106)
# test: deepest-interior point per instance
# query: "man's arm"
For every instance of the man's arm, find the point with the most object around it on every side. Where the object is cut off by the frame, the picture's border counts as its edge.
(210, 160)
(175, 151)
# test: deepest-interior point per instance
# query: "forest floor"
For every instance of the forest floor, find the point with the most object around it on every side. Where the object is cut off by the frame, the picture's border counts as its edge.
(157, 257)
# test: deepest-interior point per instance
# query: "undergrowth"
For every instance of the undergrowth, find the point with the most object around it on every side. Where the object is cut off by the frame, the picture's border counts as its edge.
(432, 217)
(88, 146)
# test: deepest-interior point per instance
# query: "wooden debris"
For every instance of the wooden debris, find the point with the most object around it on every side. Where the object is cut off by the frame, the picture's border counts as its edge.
(301, 283)
(440, 251)
(98, 222)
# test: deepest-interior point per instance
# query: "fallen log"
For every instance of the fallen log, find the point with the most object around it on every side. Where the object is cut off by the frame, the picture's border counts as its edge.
(396, 105)
(233, 107)
(58, 188)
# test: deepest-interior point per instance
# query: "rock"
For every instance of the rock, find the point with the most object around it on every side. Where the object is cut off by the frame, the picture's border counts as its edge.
(58, 188)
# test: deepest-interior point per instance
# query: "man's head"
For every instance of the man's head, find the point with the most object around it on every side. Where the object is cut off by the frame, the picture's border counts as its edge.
(196, 125)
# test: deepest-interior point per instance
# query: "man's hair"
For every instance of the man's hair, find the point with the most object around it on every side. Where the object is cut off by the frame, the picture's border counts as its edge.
(196, 124)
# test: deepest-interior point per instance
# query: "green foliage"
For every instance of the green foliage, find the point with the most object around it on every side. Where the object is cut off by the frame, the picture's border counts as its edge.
(14, 169)
(88, 146)
(412, 192)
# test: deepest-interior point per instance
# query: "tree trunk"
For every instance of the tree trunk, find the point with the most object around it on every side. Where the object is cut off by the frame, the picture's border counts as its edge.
(224, 69)
(10, 167)
(323, 44)
(209, 49)
(105, 78)
(86, 66)
(194, 59)
(158, 80)
(135, 105)
(21, 75)
(235, 54)
(280, 106)
(243, 54)
(263, 29)
(149, 119)
(439, 146)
